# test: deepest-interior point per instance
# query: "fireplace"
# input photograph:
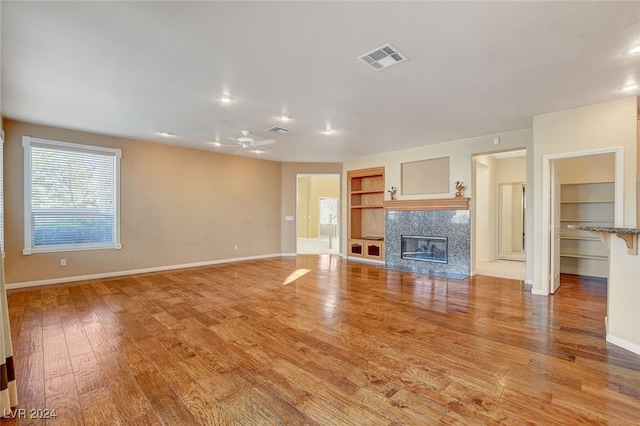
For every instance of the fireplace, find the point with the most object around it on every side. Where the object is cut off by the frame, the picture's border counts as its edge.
(425, 249)
(410, 231)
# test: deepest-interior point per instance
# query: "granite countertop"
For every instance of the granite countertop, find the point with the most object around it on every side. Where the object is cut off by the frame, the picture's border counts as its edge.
(608, 229)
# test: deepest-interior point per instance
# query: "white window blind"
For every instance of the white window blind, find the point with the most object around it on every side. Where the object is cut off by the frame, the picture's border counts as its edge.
(71, 196)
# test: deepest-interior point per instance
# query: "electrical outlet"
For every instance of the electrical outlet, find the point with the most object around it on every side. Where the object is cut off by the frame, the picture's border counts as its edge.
(63, 262)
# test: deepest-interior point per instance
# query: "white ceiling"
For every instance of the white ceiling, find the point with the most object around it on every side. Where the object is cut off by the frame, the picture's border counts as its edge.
(133, 69)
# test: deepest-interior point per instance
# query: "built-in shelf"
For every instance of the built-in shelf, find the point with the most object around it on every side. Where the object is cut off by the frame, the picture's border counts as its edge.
(581, 238)
(585, 204)
(370, 206)
(584, 256)
(367, 192)
(601, 220)
(366, 189)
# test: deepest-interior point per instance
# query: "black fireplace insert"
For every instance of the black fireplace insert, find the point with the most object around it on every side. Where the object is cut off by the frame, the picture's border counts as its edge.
(427, 249)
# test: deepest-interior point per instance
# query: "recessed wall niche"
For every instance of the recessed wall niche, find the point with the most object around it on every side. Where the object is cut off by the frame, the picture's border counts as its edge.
(425, 177)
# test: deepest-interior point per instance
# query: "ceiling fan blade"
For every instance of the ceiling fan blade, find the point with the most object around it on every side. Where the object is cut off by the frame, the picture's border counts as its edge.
(233, 139)
(259, 149)
(265, 142)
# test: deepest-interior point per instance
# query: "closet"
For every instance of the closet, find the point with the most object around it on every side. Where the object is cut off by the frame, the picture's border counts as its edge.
(587, 198)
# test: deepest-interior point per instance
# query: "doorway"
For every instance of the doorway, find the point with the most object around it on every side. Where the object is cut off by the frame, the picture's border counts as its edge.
(318, 207)
(586, 189)
(500, 210)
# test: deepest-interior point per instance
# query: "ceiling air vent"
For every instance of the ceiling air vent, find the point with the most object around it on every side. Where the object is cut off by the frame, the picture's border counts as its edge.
(280, 130)
(382, 57)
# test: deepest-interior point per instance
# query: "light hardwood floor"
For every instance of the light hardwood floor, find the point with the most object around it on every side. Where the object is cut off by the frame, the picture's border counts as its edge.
(345, 344)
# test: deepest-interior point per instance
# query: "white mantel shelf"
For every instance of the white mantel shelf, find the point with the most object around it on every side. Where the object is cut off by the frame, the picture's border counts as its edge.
(458, 203)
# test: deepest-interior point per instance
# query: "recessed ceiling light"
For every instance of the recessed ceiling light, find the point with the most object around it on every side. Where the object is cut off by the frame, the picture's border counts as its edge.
(216, 143)
(634, 50)
(166, 134)
(285, 117)
(628, 88)
(224, 98)
(327, 131)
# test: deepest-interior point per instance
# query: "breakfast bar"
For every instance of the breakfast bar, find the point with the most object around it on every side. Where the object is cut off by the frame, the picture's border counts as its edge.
(623, 287)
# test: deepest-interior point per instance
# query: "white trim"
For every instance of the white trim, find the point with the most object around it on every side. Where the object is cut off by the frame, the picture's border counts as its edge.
(26, 143)
(530, 282)
(618, 152)
(624, 344)
(288, 254)
(29, 142)
(365, 260)
(71, 247)
(137, 271)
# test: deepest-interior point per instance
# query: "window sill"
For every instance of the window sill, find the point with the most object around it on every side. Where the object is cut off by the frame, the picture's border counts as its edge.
(55, 249)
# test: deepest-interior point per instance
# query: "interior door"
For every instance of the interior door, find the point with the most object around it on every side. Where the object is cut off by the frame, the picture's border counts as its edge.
(554, 273)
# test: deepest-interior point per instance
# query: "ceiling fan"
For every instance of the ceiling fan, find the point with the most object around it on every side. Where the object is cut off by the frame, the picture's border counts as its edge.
(246, 142)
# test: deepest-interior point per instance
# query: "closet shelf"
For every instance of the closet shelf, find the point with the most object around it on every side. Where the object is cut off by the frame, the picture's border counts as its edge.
(584, 256)
(587, 201)
(601, 220)
(580, 238)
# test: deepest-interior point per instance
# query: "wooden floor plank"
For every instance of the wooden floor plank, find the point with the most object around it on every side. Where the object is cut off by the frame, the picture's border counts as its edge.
(61, 393)
(346, 343)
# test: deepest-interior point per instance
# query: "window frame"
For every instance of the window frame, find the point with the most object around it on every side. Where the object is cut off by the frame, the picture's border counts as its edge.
(28, 142)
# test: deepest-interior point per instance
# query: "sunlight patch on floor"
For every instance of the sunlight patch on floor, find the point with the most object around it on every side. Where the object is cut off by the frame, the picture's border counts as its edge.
(295, 275)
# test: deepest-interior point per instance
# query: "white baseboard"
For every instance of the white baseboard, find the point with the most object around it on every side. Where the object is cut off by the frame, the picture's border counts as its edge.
(25, 284)
(624, 344)
(529, 281)
(538, 292)
(364, 260)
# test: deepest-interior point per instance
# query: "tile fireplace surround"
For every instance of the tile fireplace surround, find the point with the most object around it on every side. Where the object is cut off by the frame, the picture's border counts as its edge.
(448, 217)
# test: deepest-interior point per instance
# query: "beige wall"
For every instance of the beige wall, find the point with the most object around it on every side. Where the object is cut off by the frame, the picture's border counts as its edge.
(461, 167)
(486, 245)
(511, 170)
(596, 168)
(310, 189)
(290, 172)
(321, 186)
(489, 173)
(178, 206)
(592, 128)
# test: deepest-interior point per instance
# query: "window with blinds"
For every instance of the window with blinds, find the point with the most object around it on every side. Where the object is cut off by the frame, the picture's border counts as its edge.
(71, 196)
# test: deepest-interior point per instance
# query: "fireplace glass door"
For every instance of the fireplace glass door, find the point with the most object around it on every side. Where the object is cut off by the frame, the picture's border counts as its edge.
(427, 249)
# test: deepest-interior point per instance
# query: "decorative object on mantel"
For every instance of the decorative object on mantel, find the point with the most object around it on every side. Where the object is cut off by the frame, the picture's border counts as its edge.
(393, 191)
(459, 189)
